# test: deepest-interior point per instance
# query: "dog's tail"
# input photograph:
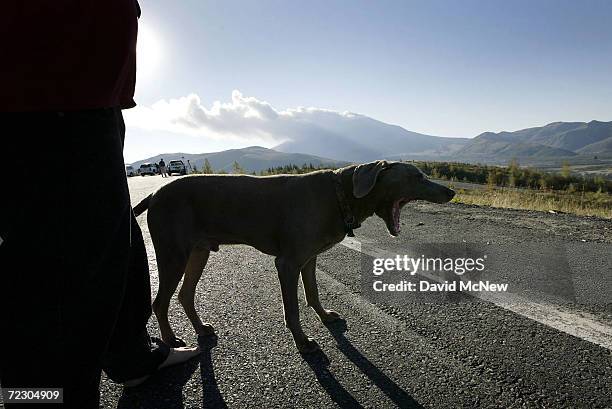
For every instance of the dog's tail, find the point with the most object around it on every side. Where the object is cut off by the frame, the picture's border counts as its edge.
(141, 207)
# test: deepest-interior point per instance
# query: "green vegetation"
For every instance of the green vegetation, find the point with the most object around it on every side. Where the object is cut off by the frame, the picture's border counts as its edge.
(290, 170)
(515, 176)
(277, 170)
(530, 188)
(207, 169)
(237, 169)
(580, 203)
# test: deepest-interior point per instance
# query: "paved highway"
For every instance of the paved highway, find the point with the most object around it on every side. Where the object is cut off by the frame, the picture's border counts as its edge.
(546, 343)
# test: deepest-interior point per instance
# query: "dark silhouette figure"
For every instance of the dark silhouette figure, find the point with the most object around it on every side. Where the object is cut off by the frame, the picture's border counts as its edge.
(162, 168)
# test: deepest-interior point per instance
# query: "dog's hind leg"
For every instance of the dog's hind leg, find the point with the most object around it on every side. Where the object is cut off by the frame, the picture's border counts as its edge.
(311, 291)
(193, 272)
(170, 270)
(288, 275)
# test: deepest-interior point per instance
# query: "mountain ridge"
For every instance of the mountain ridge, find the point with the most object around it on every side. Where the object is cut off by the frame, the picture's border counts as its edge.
(562, 139)
(251, 159)
(362, 139)
(359, 138)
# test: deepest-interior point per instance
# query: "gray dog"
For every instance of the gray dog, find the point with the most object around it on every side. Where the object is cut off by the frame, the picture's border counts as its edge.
(291, 217)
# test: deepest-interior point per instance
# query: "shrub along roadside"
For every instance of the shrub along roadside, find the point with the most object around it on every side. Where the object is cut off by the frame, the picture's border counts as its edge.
(514, 176)
(580, 203)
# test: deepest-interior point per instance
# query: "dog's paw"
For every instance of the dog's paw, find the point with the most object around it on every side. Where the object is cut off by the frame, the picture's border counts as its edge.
(308, 346)
(205, 330)
(329, 316)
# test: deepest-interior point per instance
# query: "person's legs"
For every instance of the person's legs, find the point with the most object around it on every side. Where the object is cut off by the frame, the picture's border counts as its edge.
(65, 249)
(131, 353)
(31, 259)
(71, 287)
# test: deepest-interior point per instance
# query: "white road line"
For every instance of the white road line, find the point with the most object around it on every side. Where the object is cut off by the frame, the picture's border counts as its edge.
(582, 325)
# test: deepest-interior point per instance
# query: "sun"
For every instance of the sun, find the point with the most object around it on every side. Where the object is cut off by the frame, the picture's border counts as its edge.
(148, 52)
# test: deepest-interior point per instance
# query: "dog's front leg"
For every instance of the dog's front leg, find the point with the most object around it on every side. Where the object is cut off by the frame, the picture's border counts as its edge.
(309, 279)
(288, 274)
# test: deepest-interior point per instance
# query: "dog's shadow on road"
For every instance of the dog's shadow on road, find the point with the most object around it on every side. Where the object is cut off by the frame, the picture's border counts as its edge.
(319, 362)
(211, 396)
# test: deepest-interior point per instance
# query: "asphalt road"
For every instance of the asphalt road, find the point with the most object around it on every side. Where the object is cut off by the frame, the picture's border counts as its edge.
(431, 353)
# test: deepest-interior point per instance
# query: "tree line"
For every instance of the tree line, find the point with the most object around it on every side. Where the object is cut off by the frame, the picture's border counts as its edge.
(276, 170)
(512, 175)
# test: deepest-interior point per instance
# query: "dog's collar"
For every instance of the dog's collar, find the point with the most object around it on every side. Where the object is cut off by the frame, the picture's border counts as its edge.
(350, 222)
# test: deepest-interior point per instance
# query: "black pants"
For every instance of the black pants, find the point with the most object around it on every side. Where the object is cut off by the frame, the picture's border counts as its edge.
(74, 280)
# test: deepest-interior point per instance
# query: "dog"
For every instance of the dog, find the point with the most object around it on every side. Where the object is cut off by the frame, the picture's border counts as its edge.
(291, 217)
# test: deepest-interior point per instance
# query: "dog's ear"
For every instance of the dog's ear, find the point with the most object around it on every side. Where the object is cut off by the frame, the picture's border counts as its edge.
(365, 176)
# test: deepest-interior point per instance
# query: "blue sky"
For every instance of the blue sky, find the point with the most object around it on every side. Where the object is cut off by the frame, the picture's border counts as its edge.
(449, 68)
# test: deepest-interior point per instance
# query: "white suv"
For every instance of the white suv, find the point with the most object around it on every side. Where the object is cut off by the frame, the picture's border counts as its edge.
(148, 169)
(177, 166)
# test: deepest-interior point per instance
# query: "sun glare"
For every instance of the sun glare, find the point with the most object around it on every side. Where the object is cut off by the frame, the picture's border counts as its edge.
(148, 52)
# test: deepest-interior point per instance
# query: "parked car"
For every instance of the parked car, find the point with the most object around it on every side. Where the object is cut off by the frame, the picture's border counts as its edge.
(130, 171)
(148, 169)
(177, 166)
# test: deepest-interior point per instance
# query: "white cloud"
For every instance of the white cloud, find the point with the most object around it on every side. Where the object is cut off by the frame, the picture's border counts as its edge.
(243, 118)
(245, 121)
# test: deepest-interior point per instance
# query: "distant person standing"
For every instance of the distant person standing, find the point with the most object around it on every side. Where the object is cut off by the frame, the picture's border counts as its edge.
(162, 168)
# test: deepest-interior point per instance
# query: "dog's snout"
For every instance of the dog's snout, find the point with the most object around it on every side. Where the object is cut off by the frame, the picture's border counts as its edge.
(450, 193)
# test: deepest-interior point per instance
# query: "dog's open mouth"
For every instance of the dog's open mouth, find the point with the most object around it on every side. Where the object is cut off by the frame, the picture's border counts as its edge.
(396, 208)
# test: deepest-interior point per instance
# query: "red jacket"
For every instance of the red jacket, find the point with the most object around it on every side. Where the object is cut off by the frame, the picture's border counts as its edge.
(61, 55)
